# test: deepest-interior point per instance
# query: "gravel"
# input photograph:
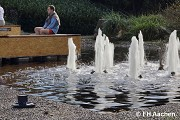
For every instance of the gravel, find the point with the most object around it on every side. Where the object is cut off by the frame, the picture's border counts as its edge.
(51, 110)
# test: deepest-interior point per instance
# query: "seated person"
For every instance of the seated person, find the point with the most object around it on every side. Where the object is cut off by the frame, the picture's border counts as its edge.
(2, 22)
(51, 25)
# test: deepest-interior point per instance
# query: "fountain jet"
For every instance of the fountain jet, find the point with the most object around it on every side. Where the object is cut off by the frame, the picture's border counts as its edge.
(134, 65)
(99, 52)
(109, 54)
(178, 43)
(104, 53)
(141, 49)
(72, 57)
(172, 54)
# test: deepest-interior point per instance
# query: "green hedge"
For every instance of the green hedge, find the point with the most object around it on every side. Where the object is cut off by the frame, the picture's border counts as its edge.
(77, 16)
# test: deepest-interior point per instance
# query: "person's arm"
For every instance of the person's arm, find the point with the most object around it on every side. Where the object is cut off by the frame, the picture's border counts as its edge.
(52, 24)
(45, 25)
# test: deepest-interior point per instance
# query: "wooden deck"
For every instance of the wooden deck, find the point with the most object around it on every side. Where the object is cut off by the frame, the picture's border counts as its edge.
(10, 30)
(12, 46)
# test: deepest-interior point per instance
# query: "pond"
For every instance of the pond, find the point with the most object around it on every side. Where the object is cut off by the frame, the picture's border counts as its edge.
(107, 92)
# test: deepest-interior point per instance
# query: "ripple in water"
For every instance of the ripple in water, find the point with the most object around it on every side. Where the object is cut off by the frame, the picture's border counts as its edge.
(110, 92)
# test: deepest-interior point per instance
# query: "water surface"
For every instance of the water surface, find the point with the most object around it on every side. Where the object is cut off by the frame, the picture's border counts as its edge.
(111, 92)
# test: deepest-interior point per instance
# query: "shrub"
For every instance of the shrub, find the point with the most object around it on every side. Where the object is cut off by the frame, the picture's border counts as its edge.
(172, 15)
(152, 26)
(114, 23)
(136, 6)
(78, 16)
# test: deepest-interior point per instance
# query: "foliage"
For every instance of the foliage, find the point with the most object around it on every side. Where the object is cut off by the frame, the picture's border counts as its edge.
(152, 26)
(81, 16)
(136, 7)
(172, 15)
(114, 23)
(78, 16)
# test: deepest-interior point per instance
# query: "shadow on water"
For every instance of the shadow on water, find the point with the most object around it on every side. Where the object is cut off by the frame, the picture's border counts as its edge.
(111, 92)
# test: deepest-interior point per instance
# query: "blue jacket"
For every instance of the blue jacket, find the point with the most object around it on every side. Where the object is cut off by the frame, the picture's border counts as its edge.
(54, 25)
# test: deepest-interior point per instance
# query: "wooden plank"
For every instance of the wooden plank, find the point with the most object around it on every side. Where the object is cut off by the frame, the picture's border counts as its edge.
(10, 26)
(10, 30)
(33, 35)
(25, 46)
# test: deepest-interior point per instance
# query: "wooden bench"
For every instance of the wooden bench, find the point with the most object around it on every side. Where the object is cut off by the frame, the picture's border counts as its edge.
(10, 30)
(13, 46)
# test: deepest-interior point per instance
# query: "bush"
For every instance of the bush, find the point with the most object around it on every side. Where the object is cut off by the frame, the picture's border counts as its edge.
(172, 15)
(136, 7)
(115, 22)
(152, 26)
(78, 16)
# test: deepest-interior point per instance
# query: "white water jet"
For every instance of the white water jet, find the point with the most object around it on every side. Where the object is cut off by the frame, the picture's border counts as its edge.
(104, 53)
(99, 53)
(108, 54)
(134, 65)
(178, 43)
(172, 53)
(111, 45)
(72, 57)
(141, 49)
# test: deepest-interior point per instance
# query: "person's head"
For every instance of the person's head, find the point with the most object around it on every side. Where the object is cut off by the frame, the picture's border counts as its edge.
(50, 9)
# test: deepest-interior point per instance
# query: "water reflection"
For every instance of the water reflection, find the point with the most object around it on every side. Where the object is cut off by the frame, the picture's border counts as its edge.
(110, 92)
